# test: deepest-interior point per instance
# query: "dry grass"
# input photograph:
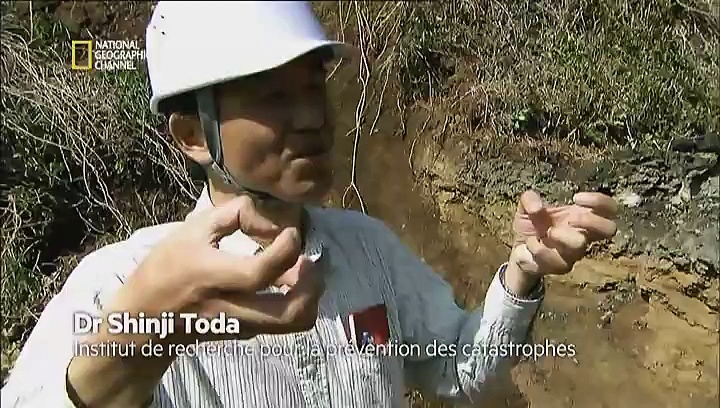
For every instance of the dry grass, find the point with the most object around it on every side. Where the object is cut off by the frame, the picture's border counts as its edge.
(82, 161)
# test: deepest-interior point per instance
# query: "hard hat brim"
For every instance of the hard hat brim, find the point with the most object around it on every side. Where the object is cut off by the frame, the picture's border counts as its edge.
(340, 50)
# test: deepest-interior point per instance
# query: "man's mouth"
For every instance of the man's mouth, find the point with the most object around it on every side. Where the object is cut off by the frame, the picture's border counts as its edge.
(312, 151)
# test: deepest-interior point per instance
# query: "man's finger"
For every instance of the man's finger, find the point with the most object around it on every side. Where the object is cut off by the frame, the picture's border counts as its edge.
(547, 259)
(532, 207)
(310, 283)
(228, 272)
(239, 214)
(281, 255)
(275, 313)
(597, 228)
(530, 203)
(600, 203)
(568, 242)
(566, 237)
(258, 313)
(291, 276)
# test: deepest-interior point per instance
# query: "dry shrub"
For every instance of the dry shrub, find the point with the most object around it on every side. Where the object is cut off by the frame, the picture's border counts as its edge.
(82, 159)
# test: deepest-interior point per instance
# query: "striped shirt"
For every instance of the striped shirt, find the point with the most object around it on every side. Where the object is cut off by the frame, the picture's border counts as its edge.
(364, 264)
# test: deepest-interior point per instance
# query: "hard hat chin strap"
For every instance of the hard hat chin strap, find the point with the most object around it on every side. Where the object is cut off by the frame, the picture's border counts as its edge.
(207, 111)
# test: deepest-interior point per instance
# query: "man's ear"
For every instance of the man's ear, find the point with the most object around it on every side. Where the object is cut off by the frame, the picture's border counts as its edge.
(187, 133)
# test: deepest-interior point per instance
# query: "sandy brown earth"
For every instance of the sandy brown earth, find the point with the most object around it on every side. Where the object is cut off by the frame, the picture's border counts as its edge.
(641, 340)
(634, 346)
(642, 313)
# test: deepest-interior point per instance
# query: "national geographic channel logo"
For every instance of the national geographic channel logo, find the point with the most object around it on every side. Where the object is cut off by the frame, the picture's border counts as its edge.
(106, 55)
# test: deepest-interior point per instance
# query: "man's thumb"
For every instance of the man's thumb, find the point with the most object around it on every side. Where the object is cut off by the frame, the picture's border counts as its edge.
(241, 214)
(530, 203)
(524, 259)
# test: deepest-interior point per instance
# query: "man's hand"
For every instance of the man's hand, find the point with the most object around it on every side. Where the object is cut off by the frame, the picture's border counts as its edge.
(188, 273)
(551, 239)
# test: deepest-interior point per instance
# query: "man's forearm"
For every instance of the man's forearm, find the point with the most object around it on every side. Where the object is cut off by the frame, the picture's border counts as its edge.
(492, 337)
(115, 381)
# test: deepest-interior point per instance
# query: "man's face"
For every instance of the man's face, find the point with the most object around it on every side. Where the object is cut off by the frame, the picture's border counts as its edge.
(275, 130)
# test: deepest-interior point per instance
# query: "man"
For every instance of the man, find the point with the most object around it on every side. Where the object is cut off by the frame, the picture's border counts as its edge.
(243, 86)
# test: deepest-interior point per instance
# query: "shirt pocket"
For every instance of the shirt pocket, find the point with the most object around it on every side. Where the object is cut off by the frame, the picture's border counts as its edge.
(375, 372)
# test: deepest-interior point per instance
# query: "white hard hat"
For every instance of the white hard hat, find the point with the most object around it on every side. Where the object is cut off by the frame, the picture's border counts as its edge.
(194, 44)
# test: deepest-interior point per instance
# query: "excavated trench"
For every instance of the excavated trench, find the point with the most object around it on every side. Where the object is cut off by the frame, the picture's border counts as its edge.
(640, 340)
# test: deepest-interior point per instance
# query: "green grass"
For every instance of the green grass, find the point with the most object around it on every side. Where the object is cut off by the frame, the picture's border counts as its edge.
(590, 71)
